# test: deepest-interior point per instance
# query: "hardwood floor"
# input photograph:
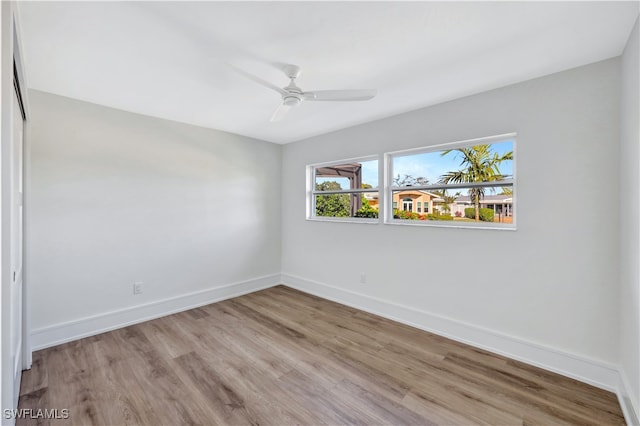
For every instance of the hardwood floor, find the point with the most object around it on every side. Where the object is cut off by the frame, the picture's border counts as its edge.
(283, 357)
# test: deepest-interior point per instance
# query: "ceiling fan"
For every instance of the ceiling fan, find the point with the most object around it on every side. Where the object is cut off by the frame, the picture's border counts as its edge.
(292, 95)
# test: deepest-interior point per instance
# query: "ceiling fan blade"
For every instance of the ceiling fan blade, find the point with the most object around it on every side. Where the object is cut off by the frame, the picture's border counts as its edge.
(258, 79)
(340, 95)
(279, 113)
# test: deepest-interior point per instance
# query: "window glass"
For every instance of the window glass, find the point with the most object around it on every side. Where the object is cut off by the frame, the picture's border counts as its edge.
(467, 183)
(345, 190)
(352, 175)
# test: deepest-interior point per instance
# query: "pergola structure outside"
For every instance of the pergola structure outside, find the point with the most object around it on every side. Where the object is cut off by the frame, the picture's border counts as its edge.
(351, 171)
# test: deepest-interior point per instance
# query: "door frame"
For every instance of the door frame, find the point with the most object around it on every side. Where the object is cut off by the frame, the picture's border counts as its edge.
(22, 90)
(11, 67)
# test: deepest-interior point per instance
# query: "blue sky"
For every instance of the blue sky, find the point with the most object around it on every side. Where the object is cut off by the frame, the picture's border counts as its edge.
(430, 165)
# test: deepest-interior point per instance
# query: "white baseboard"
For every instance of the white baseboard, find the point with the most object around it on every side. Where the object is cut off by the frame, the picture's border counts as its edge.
(631, 412)
(586, 370)
(89, 326)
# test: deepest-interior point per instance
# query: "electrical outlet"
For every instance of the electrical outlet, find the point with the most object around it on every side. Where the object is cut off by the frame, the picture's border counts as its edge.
(137, 287)
(363, 278)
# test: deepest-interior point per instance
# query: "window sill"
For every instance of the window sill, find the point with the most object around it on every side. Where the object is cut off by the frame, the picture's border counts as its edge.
(344, 220)
(450, 224)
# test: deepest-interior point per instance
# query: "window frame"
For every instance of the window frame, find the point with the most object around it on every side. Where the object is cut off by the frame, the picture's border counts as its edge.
(312, 192)
(387, 211)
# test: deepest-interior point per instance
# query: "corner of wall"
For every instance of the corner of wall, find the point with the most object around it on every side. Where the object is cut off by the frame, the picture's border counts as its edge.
(629, 230)
(626, 400)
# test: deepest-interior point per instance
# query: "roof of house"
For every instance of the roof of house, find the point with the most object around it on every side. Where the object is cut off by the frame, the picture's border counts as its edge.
(408, 190)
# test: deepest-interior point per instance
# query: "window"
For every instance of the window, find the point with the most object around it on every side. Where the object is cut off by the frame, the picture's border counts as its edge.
(470, 183)
(346, 190)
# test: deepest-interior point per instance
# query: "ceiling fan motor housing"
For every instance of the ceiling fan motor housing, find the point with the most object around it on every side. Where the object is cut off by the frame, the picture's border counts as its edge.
(291, 100)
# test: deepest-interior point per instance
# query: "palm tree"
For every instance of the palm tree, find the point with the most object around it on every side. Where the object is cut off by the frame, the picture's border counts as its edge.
(480, 165)
(447, 199)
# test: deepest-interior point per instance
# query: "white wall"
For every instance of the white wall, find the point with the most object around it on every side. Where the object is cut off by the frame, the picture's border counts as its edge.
(116, 197)
(630, 220)
(553, 282)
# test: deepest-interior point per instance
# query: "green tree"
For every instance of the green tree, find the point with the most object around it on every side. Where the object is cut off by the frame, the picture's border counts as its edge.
(479, 164)
(333, 205)
(365, 209)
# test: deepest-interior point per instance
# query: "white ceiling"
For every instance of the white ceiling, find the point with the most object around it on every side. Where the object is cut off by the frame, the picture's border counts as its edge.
(168, 59)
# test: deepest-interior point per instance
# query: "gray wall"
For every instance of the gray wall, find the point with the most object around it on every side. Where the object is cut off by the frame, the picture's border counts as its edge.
(116, 197)
(630, 220)
(554, 281)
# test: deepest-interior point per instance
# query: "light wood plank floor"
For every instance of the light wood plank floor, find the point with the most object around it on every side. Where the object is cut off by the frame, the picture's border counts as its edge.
(283, 357)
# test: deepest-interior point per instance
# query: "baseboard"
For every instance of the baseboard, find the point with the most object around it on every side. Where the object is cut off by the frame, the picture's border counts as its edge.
(586, 370)
(89, 326)
(630, 411)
